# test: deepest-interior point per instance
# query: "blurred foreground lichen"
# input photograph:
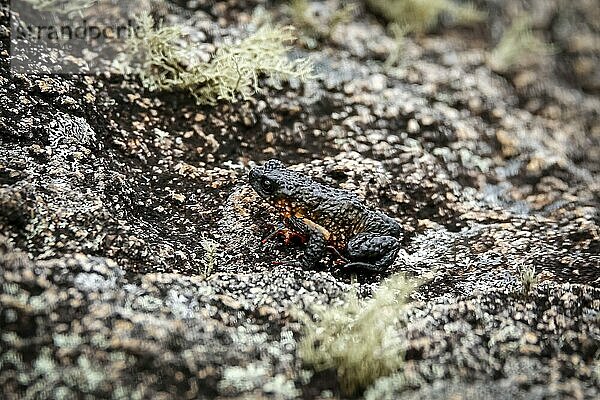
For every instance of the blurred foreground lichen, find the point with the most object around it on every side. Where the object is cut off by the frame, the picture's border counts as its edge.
(359, 339)
(164, 61)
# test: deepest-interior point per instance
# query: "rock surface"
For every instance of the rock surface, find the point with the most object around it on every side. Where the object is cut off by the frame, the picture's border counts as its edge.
(108, 193)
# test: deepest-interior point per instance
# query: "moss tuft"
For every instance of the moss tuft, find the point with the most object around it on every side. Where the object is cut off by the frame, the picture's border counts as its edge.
(210, 255)
(359, 339)
(528, 279)
(234, 70)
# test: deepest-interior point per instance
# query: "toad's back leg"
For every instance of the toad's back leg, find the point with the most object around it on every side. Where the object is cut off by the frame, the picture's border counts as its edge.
(372, 251)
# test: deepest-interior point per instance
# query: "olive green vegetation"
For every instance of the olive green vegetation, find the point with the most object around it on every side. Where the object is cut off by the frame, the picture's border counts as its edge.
(421, 15)
(517, 46)
(360, 339)
(161, 57)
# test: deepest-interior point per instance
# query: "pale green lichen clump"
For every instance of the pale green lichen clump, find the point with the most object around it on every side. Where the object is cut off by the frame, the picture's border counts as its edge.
(360, 339)
(233, 71)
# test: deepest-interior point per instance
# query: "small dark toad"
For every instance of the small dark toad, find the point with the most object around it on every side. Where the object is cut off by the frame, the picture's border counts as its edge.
(328, 217)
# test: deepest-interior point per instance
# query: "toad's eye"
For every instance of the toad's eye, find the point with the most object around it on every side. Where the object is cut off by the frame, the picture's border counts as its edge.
(267, 185)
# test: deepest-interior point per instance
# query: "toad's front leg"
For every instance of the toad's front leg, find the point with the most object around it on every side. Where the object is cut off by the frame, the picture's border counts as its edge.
(316, 245)
(288, 235)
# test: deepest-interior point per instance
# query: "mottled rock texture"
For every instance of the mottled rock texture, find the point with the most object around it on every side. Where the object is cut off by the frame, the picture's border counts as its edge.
(107, 192)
